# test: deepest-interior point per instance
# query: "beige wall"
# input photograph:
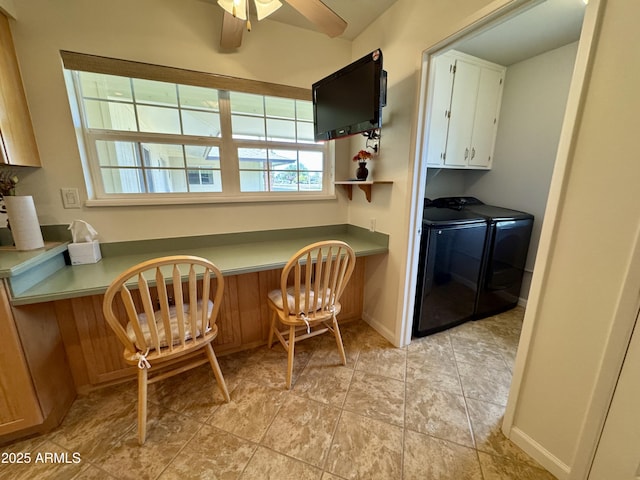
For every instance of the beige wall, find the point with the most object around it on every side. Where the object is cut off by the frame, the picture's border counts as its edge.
(8, 7)
(178, 33)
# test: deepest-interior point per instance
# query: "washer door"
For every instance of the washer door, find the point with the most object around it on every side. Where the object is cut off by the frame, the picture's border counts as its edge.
(506, 259)
(451, 258)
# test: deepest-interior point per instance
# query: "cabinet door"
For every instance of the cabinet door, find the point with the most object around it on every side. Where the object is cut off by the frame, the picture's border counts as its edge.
(440, 104)
(485, 121)
(463, 102)
(17, 141)
(19, 407)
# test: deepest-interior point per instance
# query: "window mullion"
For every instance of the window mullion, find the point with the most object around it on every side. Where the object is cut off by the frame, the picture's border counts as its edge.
(229, 163)
(103, 134)
(135, 104)
(267, 173)
(94, 163)
(89, 142)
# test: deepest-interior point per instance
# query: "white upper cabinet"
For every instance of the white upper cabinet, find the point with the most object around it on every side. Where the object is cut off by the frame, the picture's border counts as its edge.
(440, 105)
(463, 120)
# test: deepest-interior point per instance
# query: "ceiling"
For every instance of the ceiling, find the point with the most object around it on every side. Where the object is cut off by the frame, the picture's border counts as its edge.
(357, 13)
(539, 29)
(544, 27)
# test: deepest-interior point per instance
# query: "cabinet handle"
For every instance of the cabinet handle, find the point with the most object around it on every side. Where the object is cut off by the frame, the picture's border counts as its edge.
(466, 153)
(473, 152)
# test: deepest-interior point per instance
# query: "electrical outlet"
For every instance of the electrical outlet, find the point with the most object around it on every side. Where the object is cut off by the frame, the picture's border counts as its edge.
(372, 225)
(70, 198)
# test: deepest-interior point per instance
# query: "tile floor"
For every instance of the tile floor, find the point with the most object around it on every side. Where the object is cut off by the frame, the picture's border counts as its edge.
(429, 411)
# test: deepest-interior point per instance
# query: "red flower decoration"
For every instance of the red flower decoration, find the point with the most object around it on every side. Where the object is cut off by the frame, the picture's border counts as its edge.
(362, 156)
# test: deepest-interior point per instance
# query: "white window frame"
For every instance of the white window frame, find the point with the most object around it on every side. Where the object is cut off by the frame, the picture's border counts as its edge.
(229, 163)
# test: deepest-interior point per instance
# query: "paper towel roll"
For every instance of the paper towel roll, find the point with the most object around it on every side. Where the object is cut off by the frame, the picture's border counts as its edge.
(24, 222)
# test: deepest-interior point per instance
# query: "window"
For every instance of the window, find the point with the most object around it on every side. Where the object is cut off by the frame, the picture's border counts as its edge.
(198, 137)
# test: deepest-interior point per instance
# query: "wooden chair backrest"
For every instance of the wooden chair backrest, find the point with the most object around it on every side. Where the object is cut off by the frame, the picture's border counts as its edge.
(176, 280)
(318, 274)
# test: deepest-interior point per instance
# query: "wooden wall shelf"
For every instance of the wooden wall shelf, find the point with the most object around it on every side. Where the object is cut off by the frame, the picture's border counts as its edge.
(364, 185)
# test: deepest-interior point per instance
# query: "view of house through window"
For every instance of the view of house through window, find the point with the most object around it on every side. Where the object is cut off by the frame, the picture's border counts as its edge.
(147, 137)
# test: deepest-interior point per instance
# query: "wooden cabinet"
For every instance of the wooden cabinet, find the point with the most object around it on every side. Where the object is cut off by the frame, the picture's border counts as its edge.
(36, 386)
(17, 140)
(465, 106)
(19, 408)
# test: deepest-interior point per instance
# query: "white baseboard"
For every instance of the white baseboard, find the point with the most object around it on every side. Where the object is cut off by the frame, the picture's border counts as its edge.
(378, 327)
(536, 451)
(390, 335)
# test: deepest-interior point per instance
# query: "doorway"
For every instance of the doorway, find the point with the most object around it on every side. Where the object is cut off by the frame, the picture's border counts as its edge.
(524, 25)
(568, 126)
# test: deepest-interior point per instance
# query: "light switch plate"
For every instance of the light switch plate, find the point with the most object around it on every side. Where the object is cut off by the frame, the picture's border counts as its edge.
(70, 198)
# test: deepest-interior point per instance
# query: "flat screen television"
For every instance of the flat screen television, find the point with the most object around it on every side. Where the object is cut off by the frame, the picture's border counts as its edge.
(350, 100)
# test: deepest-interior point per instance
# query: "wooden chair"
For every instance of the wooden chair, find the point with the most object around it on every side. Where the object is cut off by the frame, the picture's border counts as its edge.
(178, 337)
(307, 303)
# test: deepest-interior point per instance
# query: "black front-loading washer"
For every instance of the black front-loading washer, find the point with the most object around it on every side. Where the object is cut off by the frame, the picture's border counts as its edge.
(507, 245)
(450, 263)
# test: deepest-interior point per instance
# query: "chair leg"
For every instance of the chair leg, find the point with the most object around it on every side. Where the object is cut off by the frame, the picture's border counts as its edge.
(217, 372)
(290, 350)
(142, 405)
(272, 328)
(336, 333)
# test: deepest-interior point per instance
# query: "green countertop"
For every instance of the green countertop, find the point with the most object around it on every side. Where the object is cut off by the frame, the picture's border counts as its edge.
(233, 253)
(14, 262)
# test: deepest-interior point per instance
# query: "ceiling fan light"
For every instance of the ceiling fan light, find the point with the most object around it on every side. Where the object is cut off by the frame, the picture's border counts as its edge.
(264, 8)
(237, 8)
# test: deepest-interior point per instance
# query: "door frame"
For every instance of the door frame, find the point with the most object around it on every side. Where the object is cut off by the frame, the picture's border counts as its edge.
(496, 11)
(616, 347)
(575, 101)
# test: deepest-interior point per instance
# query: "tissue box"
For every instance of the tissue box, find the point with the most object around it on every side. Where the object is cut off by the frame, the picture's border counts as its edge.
(85, 252)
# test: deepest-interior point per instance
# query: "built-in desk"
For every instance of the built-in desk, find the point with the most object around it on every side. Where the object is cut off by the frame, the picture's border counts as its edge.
(67, 345)
(251, 263)
(234, 254)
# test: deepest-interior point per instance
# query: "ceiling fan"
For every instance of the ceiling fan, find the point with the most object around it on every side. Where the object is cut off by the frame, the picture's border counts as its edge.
(236, 17)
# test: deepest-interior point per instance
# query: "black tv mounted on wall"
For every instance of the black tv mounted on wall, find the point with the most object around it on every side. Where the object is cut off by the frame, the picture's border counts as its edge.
(350, 100)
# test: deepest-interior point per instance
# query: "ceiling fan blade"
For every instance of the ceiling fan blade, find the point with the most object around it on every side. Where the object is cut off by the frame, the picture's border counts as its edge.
(232, 28)
(322, 16)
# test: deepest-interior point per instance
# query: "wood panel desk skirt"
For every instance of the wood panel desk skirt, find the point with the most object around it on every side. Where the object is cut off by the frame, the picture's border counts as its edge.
(95, 354)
